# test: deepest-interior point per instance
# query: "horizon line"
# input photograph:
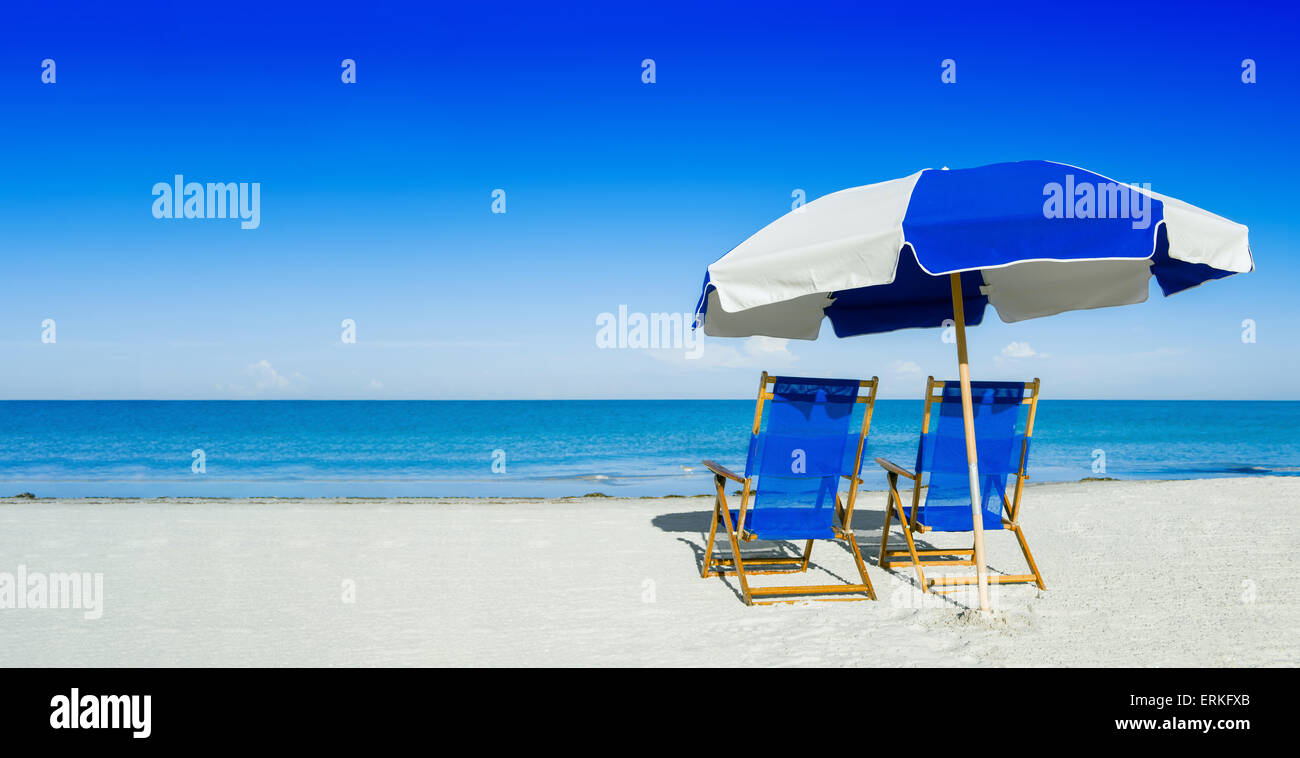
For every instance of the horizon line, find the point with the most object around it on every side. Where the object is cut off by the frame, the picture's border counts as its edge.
(578, 400)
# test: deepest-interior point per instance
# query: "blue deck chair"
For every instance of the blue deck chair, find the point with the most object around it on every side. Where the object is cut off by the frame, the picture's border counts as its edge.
(790, 490)
(1003, 453)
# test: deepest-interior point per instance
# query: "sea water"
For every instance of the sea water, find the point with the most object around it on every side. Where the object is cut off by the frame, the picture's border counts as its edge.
(558, 448)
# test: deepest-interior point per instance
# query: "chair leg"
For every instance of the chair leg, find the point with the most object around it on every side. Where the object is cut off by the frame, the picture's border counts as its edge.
(735, 552)
(807, 554)
(1029, 557)
(889, 514)
(708, 549)
(862, 567)
(911, 548)
(897, 501)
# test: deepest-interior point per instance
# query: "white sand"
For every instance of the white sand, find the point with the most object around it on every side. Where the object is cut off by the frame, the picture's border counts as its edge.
(1194, 573)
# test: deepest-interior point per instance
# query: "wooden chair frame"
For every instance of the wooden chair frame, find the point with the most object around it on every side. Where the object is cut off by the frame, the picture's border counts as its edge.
(961, 556)
(742, 568)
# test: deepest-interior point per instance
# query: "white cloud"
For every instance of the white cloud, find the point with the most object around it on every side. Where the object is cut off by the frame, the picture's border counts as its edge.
(767, 346)
(265, 376)
(1021, 350)
(753, 352)
(375, 384)
(904, 368)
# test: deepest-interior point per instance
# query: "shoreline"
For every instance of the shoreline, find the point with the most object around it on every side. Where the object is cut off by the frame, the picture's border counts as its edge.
(343, 499)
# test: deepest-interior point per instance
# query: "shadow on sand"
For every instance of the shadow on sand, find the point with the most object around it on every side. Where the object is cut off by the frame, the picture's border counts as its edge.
(866, 527)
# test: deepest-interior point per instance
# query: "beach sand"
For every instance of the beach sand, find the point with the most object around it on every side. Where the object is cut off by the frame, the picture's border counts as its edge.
(1179, 573)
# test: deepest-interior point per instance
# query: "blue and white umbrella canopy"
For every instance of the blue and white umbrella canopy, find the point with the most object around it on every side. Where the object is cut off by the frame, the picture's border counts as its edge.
(1032, 239)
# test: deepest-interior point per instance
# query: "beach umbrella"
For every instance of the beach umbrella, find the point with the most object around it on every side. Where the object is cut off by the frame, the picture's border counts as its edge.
(1031, 238)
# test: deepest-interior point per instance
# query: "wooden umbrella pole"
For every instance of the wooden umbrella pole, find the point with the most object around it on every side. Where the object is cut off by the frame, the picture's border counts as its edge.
(968, 414)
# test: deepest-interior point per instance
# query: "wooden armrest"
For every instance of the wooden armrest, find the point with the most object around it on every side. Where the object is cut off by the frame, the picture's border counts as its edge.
(721, 470)
(851, 478)
(894, 468)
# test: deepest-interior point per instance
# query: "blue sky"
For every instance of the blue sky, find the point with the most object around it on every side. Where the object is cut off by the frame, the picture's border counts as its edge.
(376, 196)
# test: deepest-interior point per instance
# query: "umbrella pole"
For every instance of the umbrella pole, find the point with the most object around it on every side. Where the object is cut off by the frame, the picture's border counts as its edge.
(968, 415)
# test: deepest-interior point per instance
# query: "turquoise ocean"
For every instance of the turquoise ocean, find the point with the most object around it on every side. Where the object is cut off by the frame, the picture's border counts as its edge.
(559, 448)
